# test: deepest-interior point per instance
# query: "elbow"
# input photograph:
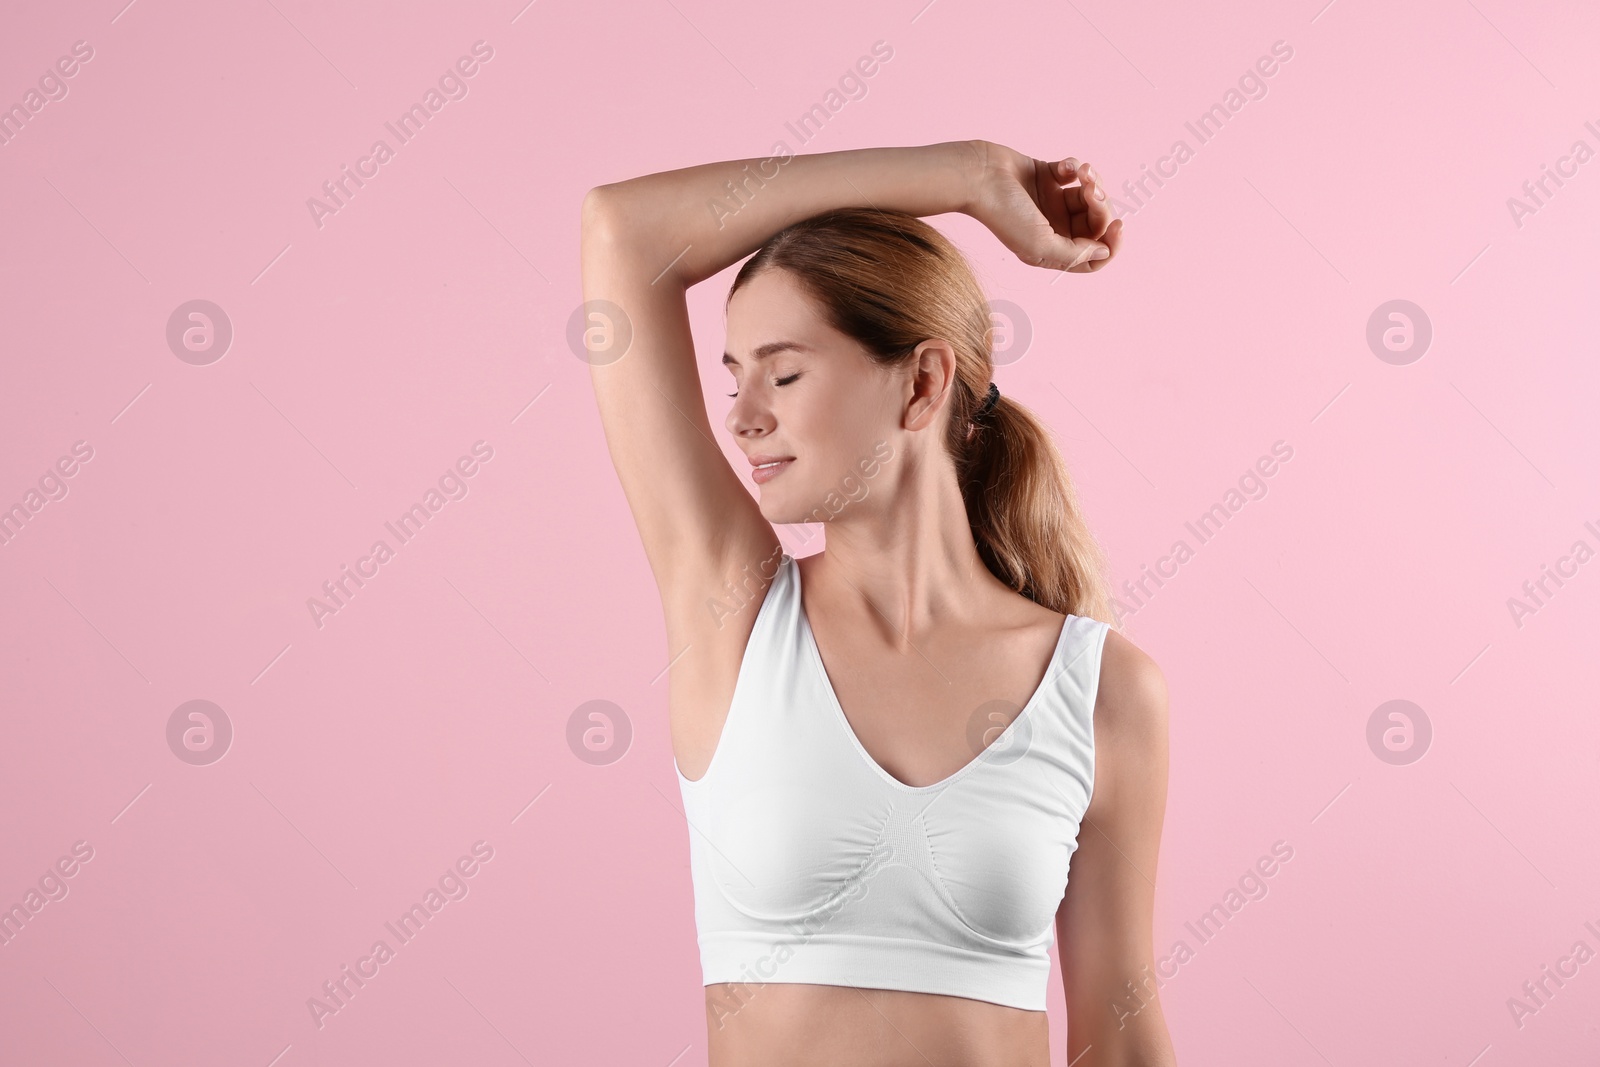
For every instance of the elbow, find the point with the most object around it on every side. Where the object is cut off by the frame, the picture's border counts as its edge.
(604, 235)
(613, 238)
(594, 203)
(599, 211)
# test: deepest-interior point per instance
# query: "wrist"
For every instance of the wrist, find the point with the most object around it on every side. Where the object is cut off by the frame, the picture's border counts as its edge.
(968, 161)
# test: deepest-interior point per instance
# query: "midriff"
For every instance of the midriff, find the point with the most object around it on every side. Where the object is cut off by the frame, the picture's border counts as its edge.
(797, 1025)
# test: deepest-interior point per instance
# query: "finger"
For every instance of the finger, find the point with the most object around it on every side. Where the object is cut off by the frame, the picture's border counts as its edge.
(1112, 241)
(1077, 208)
(1048, 196)
(1067, 174)
(1077, 252)
(1097, 205)
(1113, 237)
(1080, 202)
(1055, 252)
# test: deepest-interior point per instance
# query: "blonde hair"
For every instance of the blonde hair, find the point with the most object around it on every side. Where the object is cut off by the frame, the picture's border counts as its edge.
(890, 281)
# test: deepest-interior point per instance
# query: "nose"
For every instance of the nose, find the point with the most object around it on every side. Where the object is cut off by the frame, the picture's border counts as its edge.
(747, 418)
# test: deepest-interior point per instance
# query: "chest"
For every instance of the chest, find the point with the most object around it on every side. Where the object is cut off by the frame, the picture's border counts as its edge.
(922, 713)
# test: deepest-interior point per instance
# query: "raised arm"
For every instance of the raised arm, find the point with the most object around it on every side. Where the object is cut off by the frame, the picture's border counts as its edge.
(645, 241)
(700, 220)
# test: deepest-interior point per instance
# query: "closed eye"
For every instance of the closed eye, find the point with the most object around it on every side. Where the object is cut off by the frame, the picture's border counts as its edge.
(778, 381)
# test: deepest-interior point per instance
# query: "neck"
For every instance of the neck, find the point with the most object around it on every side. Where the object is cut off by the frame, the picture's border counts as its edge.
(909, 563)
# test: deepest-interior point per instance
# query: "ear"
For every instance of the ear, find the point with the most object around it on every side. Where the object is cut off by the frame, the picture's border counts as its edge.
(933, 373)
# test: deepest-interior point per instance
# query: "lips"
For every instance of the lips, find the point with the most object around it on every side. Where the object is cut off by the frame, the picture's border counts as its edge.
(768, 467)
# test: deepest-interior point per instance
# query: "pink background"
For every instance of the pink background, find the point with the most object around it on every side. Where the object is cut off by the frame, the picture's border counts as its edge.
(431, 311)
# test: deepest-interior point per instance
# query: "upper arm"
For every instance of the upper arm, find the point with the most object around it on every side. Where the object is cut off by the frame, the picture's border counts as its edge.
(698, 524)
(1104, 923)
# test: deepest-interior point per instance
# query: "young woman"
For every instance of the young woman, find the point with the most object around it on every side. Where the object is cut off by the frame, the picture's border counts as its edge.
(888, 751)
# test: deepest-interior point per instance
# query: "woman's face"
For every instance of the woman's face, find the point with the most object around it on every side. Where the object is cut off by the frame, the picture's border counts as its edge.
(810, 398)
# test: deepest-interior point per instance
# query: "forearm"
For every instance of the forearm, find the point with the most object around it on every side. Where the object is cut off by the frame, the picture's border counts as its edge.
(689, 224)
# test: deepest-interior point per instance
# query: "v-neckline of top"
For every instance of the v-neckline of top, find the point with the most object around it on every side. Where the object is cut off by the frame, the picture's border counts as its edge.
(844, 720)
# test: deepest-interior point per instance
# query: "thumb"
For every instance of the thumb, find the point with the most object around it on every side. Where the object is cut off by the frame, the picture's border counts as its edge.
(1068, 252)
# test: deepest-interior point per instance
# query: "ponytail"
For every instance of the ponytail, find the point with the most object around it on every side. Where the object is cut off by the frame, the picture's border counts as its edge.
(1025, 517)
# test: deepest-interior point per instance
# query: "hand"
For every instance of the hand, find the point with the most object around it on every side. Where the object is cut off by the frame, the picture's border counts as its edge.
(1035, 213)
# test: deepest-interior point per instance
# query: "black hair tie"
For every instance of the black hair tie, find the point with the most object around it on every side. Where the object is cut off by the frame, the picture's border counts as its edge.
(988, 404)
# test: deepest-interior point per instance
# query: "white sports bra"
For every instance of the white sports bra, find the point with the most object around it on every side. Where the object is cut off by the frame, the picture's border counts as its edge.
(812, 864)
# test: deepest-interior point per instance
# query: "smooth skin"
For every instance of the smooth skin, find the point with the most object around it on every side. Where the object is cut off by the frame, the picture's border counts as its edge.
(913, 630)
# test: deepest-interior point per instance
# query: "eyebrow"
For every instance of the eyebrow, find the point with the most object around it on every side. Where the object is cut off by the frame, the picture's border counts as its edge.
(770, 348)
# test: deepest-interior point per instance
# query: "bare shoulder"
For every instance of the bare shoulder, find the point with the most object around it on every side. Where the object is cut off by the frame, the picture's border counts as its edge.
(1132, 698)
(1130, 727)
